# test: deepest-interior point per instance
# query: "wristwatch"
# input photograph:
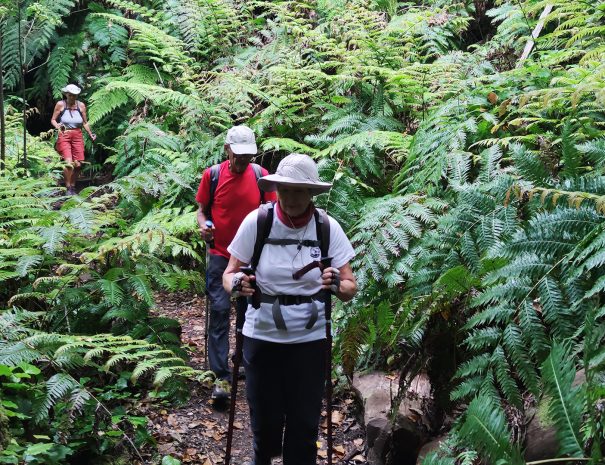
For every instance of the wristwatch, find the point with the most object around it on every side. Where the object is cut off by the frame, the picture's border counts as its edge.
(236, 282)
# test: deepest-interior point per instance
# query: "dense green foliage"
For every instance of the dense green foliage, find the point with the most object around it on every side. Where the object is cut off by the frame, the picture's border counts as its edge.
(472, 185)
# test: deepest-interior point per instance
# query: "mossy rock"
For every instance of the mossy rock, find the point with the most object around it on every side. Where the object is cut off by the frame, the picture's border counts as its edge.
(4, 432)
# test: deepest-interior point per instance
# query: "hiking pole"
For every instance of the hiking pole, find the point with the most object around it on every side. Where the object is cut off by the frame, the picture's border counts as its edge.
(326, 262)
(240, 317)
(209, 245)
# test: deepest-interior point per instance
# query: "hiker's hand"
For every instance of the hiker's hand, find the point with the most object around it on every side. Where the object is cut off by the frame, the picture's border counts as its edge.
(207, 233)
(330, 279)
(93, 136)
(241, 285)
(61, 127)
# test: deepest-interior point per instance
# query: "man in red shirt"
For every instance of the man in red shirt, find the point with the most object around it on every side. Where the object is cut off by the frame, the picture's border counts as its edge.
(236, 195)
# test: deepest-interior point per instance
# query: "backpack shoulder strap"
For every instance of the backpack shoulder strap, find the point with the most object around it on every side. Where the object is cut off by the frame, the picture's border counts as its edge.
(322, 228)
(62, 111)
(258, 173)
(215, 171)
(264, 221)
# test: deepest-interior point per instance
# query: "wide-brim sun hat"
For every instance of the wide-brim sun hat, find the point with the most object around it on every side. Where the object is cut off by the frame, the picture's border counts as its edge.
(296, 170)
(71, 89)
(241, 140)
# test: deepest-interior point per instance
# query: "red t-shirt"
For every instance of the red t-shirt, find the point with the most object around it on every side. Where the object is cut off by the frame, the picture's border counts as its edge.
(236, 195)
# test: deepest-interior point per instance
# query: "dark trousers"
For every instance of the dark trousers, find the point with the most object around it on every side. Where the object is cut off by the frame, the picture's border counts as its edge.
(285, 385)
(218, 327)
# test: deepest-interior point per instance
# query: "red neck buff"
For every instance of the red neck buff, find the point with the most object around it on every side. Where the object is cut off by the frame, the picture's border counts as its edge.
(296, 221)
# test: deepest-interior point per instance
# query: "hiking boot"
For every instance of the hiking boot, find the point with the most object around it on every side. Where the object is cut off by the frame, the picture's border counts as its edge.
(71, 190)
(221, 391)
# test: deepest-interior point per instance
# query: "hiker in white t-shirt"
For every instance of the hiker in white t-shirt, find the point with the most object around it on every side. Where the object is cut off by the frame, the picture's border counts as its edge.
(284, 349)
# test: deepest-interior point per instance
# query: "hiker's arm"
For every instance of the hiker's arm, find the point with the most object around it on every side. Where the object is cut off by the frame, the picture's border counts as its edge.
(232, 269)
(53, 119)
(206, 232)
(347, 287)
(86, 125)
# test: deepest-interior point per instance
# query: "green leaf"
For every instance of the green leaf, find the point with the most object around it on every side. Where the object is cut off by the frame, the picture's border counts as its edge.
(5, 370)
(169, 460)
(565, 406)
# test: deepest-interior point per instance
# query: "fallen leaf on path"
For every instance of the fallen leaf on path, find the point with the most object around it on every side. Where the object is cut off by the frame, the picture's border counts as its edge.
(340, 450)
(238, 425)
(359, 458)
(190, 455)
(337, 417)
(172, 420)
(358, 442)
(166, 448)
(322, 453)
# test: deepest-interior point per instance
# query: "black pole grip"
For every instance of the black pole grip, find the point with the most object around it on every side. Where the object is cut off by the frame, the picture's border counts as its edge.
(210, 224)
(255, 299)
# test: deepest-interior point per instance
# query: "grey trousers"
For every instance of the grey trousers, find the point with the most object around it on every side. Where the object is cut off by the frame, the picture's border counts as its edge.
(220, 307)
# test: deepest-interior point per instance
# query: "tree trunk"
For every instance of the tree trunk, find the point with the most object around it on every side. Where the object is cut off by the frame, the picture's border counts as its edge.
(2, 120)
(22, 67)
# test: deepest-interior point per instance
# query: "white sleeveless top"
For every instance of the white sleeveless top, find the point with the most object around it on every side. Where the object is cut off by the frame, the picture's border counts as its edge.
(71, 118)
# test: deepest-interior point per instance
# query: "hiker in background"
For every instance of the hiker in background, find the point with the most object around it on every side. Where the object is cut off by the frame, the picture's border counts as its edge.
(226, 194)
(284, 348)
(69, 117)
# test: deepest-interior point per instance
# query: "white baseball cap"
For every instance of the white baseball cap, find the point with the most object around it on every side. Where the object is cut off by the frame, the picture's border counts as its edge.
(295, 170)
(241, 140)
(71, 89)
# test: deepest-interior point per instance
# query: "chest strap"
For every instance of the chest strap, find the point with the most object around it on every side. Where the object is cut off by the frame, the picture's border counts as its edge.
(304, 243)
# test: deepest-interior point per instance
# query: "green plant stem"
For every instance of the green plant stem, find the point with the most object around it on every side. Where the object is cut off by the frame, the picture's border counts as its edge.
(565, 459)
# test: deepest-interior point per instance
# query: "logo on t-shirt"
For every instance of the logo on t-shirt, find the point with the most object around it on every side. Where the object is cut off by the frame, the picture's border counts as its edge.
(315, 252)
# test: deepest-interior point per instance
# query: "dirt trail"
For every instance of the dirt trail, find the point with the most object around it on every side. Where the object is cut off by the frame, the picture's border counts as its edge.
(196, 432)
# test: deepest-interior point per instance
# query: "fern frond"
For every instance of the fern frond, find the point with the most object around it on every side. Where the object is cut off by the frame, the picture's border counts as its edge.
(485, 428)
(58, 387)
(565, 406)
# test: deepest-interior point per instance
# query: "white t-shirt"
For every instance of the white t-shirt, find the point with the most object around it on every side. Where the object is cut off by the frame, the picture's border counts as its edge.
(274, 277)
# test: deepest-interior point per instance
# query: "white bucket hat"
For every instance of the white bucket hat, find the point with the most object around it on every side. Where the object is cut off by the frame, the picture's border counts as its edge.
(241, 140)
(71, 89)
(296, 170)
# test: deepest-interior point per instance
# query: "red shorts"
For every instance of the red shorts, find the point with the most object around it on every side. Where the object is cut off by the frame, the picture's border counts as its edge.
(70, 144)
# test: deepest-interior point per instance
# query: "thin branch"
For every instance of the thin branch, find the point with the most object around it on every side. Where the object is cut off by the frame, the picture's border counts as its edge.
(534, 35)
